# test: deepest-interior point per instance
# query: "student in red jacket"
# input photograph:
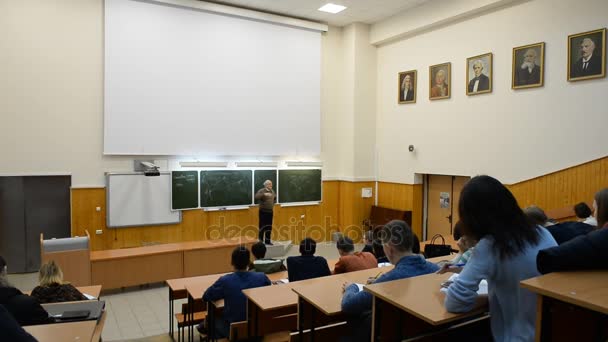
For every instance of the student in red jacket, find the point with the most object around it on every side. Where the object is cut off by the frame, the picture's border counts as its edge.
(350, 260)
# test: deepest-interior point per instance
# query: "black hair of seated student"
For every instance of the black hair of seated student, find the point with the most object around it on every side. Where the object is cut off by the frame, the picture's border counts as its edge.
(240, 258)
(488, 208)
(536, 215)
(379, 251)
(582, 210)
(308, 246)
(457, 231)
(345, 244)
(258, 250)
(601, 202)
(416, 245)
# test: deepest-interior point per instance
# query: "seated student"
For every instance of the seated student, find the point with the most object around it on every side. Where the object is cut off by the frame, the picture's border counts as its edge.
(307, 266)
(504, 256)
(25, 309)
(350, 260)
(583, 252)
(368, 238)
(230, 288)
(261, 264)
(10, 328)
(561, 232)
(584, 213)
(52, 289)
(466, 245)
(398, 242)
(379, 252)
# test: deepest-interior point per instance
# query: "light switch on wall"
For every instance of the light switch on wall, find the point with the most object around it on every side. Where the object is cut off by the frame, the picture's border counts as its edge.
(97, 208)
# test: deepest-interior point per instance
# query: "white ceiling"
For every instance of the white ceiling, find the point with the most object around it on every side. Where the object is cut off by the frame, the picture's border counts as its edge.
(364, 11)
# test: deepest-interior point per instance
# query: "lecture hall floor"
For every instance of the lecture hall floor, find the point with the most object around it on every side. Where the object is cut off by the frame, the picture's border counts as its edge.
(141, 314)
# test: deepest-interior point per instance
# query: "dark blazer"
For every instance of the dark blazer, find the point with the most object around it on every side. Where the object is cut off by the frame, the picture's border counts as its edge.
(583, 252)
(10, 328)
(306, 267)
(593, 68)
(524, 77)
(565, 231)
(484, 83)
(368, 248)
(408, 97)
(25, 309)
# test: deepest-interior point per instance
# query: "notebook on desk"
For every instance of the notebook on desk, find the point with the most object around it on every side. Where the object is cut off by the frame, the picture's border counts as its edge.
(75, 311)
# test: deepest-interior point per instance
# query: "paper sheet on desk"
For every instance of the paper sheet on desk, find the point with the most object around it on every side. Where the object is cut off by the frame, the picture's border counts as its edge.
(359, 286)
(483, 286)
(89, 296)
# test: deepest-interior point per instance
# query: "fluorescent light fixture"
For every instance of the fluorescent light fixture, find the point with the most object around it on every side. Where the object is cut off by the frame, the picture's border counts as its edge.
(257, 164)
(332, 8)
(203, 164)
(304, 163)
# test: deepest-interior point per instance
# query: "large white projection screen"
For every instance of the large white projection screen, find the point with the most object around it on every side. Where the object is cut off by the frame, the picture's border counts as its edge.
(181, 81)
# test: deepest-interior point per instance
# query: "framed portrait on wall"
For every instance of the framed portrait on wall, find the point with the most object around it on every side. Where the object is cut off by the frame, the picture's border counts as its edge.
(479, 74)
(440, 78)
(587, 55)
(406, 87)
(528, 66)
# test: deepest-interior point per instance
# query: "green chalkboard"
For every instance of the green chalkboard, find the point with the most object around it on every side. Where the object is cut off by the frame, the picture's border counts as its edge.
(223, 188)
(299, 186)
(260, 176)
(184, 190)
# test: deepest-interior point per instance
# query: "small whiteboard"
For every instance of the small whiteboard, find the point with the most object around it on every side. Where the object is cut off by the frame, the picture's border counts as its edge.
(136, 200)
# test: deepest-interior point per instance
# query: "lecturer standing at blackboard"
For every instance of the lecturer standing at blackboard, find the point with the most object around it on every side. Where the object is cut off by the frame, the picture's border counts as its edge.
(266, 197)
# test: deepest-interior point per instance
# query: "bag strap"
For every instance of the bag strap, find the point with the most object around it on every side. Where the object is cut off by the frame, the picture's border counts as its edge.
(438, 236)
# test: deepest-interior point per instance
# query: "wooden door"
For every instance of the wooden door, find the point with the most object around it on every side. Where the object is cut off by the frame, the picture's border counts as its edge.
(442, 203)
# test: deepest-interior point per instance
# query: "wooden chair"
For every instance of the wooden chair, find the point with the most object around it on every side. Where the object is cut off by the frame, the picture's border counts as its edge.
(200, 314)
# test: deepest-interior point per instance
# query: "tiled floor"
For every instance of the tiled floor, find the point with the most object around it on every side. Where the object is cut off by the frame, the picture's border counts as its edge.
(142, 314)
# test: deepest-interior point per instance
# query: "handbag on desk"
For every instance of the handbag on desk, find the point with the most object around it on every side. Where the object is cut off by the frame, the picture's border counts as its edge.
(433, 249)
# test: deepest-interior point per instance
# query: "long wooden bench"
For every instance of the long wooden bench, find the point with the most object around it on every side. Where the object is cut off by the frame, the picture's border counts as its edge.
(118, 268)
(564, 213)
(380, 215)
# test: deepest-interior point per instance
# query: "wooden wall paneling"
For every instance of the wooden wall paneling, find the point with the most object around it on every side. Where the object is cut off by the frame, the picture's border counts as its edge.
(395, 196)
(417, 204)
(207, 261)
(563, 188)
(85, 217)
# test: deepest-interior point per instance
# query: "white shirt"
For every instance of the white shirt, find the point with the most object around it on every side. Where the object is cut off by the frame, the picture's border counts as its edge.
(586, 62)
(475, 86)
(591, 220)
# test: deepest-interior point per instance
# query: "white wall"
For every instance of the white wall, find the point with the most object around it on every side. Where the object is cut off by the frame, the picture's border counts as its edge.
(512, 135)
(51, 91)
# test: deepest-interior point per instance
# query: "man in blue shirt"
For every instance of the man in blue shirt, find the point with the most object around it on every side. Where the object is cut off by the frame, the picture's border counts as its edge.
(397, 242)
(230, 288)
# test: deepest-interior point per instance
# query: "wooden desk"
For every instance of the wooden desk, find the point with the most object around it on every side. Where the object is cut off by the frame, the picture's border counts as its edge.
(320, 299)
(72, 331)
(275, 309)
(75, 331)
(142, 265)
(417, 304)
(571, 299)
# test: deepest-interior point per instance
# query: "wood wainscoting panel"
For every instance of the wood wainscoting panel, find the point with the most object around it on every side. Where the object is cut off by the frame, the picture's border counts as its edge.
(563, 188)
(319, 221)
(403, 197)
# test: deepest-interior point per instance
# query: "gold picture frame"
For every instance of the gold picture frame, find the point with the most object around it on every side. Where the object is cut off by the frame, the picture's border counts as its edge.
(440, 81)
(409, 96)
(588, 60)
(528, 66)
(482, 83)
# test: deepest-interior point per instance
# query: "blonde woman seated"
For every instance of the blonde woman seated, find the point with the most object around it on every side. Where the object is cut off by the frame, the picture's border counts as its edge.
(52, 288)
